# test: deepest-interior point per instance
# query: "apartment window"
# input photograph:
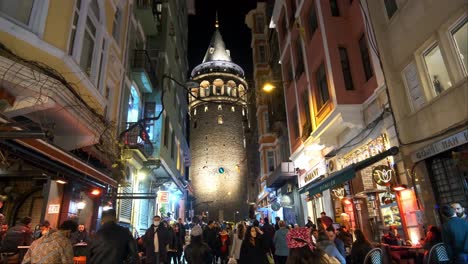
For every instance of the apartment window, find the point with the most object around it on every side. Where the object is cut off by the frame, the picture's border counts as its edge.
(348, 80)
(134, 105)
(76, 15)
(295, 121)
(293, 13)
(27, 13)
(313, 19)
(322, 87)
(436, 69)
(366, 62)
(391, 7)
(299, 58)
(460, 37)
(166, 130)
(220, 107)
(116, 27)
(271, 160)
(335, 11)
(173, 144)
(220, 119)
(261, 54)
(259, 23)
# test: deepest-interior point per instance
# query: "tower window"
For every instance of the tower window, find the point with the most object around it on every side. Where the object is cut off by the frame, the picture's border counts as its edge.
(206, 108)
(195, 124)
(195, 112)
(220, 107)
(220, 119)
(233, 108)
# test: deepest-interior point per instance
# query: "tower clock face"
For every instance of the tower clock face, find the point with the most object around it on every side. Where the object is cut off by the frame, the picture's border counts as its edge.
(221, 170)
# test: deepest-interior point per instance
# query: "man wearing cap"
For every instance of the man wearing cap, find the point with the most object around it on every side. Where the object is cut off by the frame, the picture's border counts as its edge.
(197, 252)
(19, 235)
(53, 247)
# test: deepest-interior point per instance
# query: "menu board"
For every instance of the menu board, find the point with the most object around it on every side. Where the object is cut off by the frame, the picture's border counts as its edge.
(391, 214)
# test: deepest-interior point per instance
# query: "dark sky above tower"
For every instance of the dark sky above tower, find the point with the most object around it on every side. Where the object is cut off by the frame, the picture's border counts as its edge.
(236, 34)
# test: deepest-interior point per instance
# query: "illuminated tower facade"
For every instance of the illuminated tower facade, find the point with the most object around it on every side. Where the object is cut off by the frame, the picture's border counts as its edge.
(218, 120)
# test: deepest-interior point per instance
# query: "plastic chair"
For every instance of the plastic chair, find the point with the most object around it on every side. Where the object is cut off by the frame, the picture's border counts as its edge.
(438, 254)
(375, 256)
(79, 260)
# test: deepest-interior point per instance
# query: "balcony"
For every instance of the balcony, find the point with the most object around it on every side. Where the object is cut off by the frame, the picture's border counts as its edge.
(137, 138)
(149, 12)
(284, 172)
(143, 71)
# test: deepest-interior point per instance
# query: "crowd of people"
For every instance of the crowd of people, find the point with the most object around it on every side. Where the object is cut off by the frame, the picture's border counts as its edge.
(210, 242)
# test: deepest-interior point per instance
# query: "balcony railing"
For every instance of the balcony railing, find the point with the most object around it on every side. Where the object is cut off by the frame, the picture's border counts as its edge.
(142, 63)
(137, 138)
(284, 172)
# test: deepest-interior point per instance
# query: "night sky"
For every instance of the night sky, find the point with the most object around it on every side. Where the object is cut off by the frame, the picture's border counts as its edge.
(236, 34)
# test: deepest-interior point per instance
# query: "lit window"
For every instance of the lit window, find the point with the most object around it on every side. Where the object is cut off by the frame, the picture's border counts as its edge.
(133, 105)
(206, 108)
(460, 37)
(436, 69)
(220, 119)
(243, 112)
(220, 107)
(233, 109)
(195, 112)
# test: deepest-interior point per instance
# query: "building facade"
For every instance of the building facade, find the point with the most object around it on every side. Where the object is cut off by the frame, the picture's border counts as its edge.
(62, 63)
(277, 182)
(341, 131)
(218, 122)
(427, 80)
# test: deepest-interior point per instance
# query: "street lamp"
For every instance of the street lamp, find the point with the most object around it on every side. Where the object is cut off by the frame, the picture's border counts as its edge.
(235, 214)
(268, 87)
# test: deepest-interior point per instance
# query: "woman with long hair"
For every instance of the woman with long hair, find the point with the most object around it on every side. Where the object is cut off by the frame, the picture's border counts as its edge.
(253, 249)
(237, 241)
(302, 250)
(360, 247)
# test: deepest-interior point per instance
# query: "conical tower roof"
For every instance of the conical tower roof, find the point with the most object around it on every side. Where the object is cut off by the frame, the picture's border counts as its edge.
(217, 49)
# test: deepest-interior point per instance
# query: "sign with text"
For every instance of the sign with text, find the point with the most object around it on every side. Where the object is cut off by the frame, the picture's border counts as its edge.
(440, 146)
(316, 171)
(53, 209)
(163, 197)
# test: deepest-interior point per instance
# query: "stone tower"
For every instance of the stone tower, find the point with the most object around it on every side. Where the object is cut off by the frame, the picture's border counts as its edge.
(218, 118)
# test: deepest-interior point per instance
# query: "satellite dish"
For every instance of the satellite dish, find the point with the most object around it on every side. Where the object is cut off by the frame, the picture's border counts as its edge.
(275, 206)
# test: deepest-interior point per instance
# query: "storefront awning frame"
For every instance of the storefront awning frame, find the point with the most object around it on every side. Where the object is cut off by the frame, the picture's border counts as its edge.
(347, 173)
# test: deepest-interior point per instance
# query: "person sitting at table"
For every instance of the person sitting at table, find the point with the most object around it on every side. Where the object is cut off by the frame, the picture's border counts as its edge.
(392, 237)
(325, 244)
(53, 247)
(433, 237)
(80, 236)
(19, 235)
(360, 248)
(338, 242)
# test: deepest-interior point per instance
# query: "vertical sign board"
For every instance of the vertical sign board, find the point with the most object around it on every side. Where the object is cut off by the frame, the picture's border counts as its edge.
(163, 197)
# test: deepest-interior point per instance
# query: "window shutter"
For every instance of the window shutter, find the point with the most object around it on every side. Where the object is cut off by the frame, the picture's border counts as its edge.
(125, 212)
(415, 90)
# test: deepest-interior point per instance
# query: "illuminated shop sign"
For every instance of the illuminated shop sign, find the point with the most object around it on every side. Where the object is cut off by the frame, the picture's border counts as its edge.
(366, 151)
(383, 175)
(441, 146)
(315, 172)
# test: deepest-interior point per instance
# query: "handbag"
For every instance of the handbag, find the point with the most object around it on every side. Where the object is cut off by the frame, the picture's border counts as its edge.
(270, 258)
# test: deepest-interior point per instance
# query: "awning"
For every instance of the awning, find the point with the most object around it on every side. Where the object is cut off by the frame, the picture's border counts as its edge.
(347, 173)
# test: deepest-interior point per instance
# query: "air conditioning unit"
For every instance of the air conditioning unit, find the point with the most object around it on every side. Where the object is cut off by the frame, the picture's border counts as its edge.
(331, 165)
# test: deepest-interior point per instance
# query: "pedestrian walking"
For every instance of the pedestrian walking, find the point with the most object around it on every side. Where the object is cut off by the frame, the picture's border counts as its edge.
(197, 252)
(224, 245)
(237, 239)
(112, 244)
(281, 247)
(175, 245)
(53, 246)
(253, 247)
(19, 235)
(156, 240)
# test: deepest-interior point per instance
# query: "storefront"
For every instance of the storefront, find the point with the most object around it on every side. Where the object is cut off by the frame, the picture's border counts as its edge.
(440, 174)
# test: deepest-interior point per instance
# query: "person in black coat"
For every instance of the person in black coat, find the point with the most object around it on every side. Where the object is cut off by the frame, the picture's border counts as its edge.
(19, 235)
(112, 244)
(268, 235)
(163, 237)
(253, 247)
(360, 248)
(210, 236)
(197, 252)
